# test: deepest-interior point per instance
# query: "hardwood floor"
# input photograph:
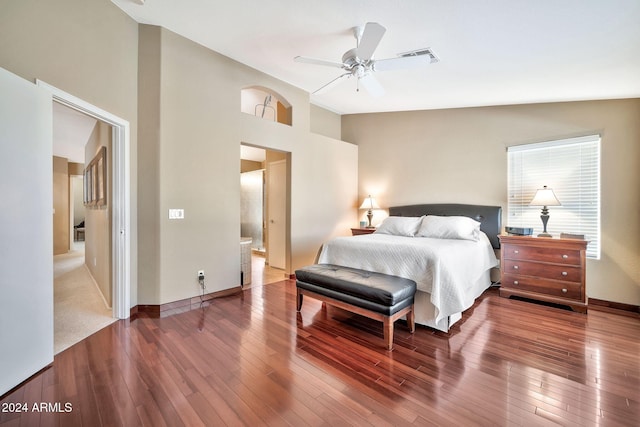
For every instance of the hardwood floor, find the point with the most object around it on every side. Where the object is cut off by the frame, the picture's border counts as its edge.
(252, 360)
(262, 273)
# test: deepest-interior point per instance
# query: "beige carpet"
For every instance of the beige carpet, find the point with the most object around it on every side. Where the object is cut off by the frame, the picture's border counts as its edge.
(79, 309)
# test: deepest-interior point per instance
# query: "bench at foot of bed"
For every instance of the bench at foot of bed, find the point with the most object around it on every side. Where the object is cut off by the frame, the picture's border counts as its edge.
(373, 295)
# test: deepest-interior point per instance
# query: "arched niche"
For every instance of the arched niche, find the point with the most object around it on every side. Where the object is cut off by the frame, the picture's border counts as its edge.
(265, 103)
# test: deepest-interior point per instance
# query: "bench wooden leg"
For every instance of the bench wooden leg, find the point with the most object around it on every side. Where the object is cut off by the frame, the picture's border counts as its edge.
(387, 321)
(411, 320)
(388, 332)
(299, 299)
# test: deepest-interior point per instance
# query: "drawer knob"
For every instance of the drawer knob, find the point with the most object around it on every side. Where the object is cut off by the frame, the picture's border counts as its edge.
(564, 290)
(565, 256)
(564, 273)
(516, 251)
(515, 267)
(515, 282)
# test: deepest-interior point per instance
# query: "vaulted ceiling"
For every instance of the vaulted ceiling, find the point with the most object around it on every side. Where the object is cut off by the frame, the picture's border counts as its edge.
(491, 52)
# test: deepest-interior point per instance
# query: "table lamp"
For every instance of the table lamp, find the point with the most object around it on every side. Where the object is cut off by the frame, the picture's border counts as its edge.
(369, 204)
(544, 197)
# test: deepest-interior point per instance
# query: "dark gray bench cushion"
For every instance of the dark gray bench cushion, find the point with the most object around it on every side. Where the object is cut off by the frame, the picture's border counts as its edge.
(374, 291)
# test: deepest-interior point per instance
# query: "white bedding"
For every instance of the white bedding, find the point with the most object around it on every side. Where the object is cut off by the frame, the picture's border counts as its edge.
(446, 269)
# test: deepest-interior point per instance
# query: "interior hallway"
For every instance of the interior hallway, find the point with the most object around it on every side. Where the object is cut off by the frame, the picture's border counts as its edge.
(78, 307)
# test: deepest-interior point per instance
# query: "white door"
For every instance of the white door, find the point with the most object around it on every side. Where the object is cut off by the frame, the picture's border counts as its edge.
(26, 230)
(277, 209)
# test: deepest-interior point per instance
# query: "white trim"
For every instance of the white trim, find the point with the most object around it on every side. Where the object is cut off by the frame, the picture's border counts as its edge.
(121, 251)
(554, 143)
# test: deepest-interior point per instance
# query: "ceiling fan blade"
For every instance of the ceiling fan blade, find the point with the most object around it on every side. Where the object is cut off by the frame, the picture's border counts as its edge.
(331, 84)
(372, 85)
(370, 39)
(305, 60)
(402, 63)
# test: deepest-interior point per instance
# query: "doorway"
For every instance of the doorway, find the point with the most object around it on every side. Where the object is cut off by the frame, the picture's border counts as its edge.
(265, 189)
(26, 113)
(119, 235)
(82, 285)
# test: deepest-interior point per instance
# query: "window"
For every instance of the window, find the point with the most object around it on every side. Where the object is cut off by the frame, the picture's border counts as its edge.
(571, 167)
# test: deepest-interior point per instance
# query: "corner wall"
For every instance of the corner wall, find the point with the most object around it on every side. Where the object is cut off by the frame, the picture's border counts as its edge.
(191, 134)
(459, 155)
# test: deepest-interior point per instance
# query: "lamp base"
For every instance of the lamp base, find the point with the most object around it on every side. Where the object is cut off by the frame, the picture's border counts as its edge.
(545, 218)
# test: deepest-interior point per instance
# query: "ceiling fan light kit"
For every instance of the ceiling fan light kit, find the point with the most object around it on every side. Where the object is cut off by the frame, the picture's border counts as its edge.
(358, 62)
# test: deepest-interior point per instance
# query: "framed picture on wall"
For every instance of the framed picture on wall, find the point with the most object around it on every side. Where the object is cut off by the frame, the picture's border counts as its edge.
(95, 180)
(87, 186)
(101, 178)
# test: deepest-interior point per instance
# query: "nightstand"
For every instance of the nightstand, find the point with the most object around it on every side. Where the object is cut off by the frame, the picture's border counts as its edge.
(362, 230)
(544, 269)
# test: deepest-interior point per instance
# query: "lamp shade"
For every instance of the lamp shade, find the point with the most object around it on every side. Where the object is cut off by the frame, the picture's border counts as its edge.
(369, 203)
(544, 197)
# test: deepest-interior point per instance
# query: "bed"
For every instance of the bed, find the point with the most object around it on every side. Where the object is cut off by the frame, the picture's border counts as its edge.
(450, 273)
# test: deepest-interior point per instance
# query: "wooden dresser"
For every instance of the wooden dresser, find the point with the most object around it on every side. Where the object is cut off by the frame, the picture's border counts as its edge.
(544, 269)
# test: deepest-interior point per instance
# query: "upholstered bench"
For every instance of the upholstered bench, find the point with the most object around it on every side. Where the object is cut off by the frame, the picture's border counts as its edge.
(373, 295)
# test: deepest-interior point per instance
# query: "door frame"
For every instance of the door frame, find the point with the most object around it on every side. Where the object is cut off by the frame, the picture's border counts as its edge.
(285, 229)
(121, 189)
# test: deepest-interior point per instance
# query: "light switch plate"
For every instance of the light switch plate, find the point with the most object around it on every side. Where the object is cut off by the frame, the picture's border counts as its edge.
(176, 213)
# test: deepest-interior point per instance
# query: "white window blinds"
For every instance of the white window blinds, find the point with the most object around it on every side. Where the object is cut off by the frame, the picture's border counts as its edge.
(571, 167)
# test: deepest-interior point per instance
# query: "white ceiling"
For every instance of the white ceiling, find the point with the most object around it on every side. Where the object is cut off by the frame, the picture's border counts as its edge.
(71, 131)
(491, 52)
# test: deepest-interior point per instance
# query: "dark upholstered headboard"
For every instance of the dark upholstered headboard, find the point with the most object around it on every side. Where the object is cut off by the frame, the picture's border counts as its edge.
(490, 217)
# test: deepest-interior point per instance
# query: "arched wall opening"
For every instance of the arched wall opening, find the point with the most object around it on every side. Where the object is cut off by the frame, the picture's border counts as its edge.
(265, 103)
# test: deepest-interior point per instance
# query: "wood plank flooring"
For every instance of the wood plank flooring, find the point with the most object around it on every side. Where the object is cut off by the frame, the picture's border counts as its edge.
(252, 360)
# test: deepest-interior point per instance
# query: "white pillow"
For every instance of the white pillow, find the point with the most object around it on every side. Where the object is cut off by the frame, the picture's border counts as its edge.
(400, 226)
(449, 227)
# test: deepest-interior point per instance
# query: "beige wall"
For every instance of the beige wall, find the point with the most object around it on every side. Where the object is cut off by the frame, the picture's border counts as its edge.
(191, 128)
(149, 161)
(66, 203)
(87, 48)
(97, 247)
(61, 242)
(76, 172)
(325, 122)
(459, 155)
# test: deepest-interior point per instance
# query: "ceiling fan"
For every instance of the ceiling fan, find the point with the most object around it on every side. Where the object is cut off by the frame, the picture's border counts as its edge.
(359, 62)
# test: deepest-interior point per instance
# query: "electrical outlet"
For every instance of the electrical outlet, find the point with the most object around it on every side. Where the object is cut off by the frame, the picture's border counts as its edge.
(200, 274)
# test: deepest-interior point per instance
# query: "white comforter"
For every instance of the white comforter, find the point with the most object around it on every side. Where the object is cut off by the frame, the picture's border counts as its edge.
(444, 268)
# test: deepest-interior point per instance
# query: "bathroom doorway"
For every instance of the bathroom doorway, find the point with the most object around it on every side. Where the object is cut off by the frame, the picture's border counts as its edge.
(264, 179)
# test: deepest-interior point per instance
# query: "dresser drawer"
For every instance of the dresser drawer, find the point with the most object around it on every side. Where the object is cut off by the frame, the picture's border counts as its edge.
(539, 253)
(554, 288)
(545, 271)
